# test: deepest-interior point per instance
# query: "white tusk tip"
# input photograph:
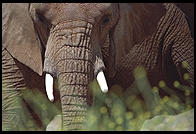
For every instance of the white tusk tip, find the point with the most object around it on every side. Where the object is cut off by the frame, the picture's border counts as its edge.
(51, 99)
(49, 87)
(105, 90)
(102, 82)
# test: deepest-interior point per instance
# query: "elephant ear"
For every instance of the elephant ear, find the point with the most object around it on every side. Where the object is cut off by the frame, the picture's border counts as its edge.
(137, 21)
(19, 35)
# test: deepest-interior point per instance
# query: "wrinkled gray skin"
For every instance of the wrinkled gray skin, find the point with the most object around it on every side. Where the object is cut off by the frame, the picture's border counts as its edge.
(74, 41)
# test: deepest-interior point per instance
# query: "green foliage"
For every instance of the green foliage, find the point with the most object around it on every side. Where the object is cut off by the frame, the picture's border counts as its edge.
(41, 107)
(119, 109)
(127, 110)
(34, 111)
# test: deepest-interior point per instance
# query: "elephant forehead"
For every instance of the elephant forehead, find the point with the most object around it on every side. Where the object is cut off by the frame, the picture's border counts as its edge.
(78, 10)
(94, 7)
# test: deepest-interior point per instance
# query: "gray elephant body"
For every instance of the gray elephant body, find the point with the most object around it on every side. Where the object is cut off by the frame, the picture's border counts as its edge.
(17, 69)
(16, 79)
(10, 92)
(76, 41)
(162, 53)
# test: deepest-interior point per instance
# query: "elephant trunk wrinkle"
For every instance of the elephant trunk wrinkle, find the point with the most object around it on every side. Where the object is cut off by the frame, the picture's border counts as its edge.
(70, 58)
(74, 97)
(74, 75)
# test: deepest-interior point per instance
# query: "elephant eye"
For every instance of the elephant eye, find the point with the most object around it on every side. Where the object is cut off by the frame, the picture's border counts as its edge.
(106, 20)
(43, 20)
(41, 17)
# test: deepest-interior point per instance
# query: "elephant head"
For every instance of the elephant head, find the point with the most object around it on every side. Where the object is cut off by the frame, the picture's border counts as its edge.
(76, 42)
(81, 37)
(75, 35)
(65, 41)
(71, 42)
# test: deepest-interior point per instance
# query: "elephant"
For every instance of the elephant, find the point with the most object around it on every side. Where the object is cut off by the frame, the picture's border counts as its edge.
(19, 58)
(188, 9)
(76, 43)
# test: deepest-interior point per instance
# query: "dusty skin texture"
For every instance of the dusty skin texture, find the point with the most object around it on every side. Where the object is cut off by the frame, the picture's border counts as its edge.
(163, 52)
(73, 41)
(13, 81)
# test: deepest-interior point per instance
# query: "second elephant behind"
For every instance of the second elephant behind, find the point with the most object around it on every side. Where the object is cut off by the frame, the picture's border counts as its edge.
(77, 41)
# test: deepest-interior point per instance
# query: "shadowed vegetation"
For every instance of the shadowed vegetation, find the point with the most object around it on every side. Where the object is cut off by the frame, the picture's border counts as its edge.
(128, 110)
(116, 110)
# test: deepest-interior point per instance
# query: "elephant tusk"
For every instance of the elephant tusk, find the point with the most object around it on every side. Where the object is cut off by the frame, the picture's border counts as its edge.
(102, 82)
(49, 87)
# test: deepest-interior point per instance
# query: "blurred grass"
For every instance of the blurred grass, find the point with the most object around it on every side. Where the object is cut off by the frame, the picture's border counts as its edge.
(43, 110)
(35, 111)
(117, 110)
(126, 110)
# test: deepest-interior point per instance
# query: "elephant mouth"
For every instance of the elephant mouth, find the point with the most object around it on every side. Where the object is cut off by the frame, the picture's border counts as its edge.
(49, 80)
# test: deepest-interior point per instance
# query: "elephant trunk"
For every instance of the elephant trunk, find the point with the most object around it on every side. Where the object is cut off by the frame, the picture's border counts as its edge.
(73, 87)
(69, 57)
